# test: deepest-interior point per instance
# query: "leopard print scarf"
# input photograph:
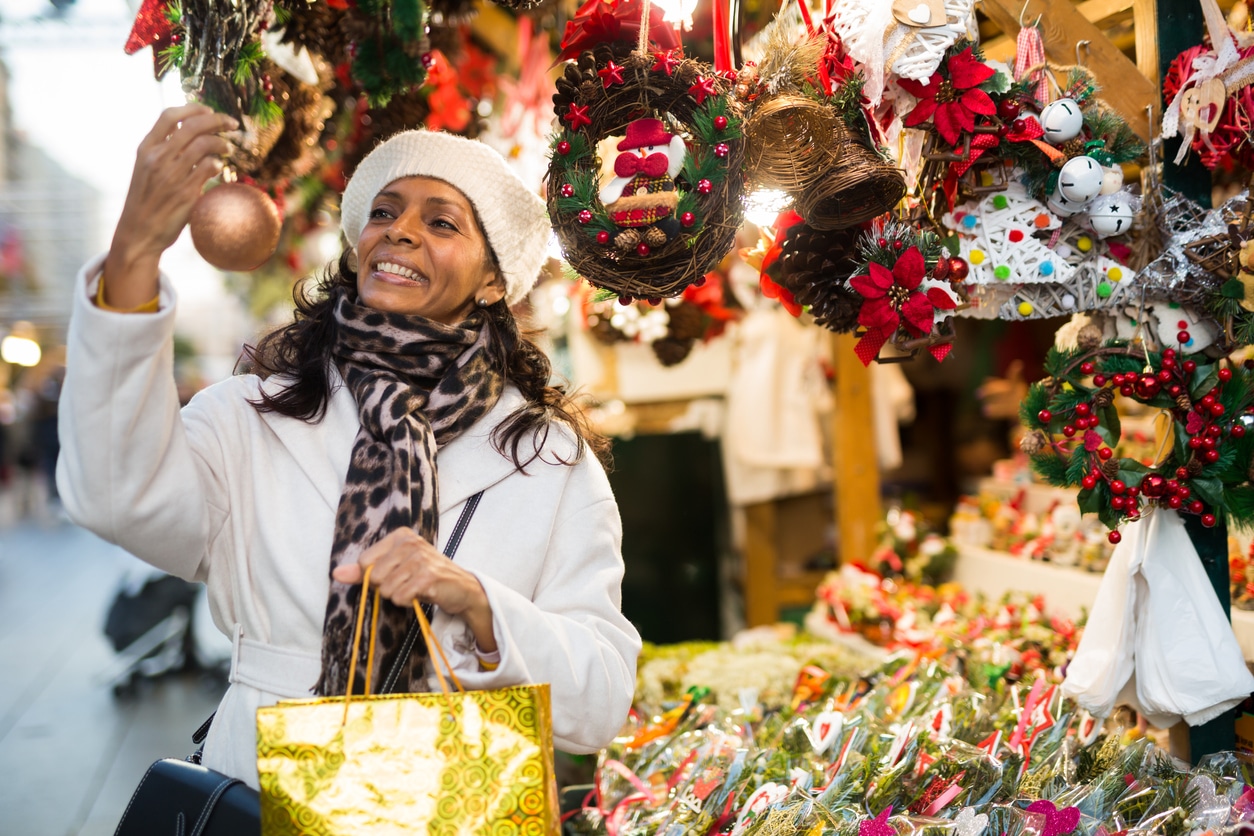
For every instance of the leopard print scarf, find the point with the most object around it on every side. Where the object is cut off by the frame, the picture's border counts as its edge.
(418, 384)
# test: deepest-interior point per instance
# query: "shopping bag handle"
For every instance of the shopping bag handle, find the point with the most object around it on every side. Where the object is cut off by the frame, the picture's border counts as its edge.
(427, 634)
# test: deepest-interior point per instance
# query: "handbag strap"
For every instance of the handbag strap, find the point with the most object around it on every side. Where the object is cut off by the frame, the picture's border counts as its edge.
(415, 629)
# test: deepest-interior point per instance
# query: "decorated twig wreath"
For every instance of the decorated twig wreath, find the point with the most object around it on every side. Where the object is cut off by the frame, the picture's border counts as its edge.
(1204, 466)
(673, 205)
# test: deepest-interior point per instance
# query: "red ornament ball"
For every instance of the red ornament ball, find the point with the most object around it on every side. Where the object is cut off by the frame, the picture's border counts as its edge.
(563, 148)
(1083, 409)
(428, 60)
(603, 237)
(1118, 487)
(1211, 456)
(1105, 453)
(1088, 482)
(235, 227)
(1237, 431)
(882, 242)
(1008, 110)
(1114, 537)
(568, 190)
(1069, 431)
(642, 249)
(1153, 486)
(1088, 367)
(958, 269)
(1208, 520)
(1183, 337)
(704, 186)
(1196, 506)
(720, 123)
(1045, 416)
(625, 300)
(1174, 502)
(721, 150)
(1190, 366)
(687, 219)
(585, 216)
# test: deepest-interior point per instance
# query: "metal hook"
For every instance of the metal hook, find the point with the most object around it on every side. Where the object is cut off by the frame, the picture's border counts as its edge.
(1079, 44)
(1024, 11)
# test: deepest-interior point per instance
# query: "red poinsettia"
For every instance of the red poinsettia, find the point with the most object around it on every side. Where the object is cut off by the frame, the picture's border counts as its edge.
(892, 296)
(952, 103)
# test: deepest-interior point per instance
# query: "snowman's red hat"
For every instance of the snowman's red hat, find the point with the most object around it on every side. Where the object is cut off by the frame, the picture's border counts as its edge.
(643, 133)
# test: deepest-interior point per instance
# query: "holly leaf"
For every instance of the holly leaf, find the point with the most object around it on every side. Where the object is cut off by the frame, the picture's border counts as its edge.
(1091, 501)
(1109, 516)
(1204, 379)
(999, 83)
(1210, 490)
(1110, 420)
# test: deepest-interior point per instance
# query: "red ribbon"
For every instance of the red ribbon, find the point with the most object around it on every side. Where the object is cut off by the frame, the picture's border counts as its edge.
(868, 348)
(629, 165)
(722, 37)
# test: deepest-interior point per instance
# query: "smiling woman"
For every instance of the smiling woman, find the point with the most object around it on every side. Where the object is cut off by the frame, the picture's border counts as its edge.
(402, 393)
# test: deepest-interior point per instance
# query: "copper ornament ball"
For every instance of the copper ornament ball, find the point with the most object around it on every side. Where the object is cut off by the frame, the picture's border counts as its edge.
(235, 227)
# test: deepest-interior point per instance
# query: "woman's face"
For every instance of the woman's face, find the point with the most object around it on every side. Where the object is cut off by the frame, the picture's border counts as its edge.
(422, 253)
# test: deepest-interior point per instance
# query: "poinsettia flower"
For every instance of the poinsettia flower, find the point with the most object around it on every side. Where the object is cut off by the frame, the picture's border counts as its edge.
(952, 103)
(895, 295)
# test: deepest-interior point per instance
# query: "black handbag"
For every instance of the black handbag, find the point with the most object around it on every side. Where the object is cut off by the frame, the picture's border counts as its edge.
(182, 798)
(179, 798)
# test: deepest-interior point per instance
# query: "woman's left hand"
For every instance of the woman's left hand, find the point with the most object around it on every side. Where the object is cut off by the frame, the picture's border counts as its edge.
(407, 567)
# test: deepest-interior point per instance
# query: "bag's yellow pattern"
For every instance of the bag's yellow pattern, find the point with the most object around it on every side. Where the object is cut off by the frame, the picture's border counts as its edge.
(479, 762)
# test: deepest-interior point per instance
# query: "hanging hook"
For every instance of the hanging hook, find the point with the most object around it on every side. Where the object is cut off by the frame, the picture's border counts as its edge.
(1079, 44)
(1024, 11)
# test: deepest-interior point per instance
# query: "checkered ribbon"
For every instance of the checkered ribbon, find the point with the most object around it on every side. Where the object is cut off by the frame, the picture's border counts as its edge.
(1029, 54)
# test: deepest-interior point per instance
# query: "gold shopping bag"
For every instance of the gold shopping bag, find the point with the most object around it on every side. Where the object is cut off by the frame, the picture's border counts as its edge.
(461, 762)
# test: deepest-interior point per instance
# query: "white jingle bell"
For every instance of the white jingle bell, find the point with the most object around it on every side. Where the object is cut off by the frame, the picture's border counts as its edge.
(1113, 217)
(1112, 179)
(1080, 179)
(1062, 121)
(1063, 208)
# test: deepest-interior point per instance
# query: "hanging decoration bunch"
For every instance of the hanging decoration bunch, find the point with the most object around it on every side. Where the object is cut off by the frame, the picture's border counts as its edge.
(646, 174)
(1203, 468)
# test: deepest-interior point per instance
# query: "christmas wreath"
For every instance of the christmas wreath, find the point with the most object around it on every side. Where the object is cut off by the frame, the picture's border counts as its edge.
(672, 206)
(1204, 466)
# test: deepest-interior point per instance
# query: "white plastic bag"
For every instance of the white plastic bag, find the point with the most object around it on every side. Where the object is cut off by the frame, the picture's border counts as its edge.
(1157, 637)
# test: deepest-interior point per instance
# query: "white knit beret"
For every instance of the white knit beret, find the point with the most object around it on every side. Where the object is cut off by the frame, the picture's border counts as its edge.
(513, 216)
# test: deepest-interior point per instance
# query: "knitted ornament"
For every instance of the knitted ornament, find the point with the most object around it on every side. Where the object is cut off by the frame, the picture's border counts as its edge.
(513, 216)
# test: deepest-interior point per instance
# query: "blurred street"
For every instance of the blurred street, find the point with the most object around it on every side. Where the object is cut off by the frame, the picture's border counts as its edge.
(71, 749)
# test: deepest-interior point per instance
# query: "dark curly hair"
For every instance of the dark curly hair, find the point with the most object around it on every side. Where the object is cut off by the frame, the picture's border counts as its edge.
(303, 351)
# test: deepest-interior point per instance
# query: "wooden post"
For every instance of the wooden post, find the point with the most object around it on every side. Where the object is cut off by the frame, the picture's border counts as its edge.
(761, 560)
(855, 468)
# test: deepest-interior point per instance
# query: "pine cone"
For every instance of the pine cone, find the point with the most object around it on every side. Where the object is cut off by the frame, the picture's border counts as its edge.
(315, 26)
(1033, 442)
(1194, 467)
(1103, 398)
(1089, 338)
(1183, 401)
(687, 321)
(670, 351)
(814, 266)
(1110, 469)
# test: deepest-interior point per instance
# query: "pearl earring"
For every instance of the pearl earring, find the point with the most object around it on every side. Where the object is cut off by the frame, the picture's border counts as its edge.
(483, 303)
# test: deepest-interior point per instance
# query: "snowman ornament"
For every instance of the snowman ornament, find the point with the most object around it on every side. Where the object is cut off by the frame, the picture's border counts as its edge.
(641, 197)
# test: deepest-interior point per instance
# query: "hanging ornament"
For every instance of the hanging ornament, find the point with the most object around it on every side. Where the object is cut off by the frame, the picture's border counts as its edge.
(1062, 121)
(235, 227)
(665, 208)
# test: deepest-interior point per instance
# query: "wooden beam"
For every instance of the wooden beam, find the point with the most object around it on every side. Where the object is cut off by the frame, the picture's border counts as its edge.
(1124, 88)
(761, 560)
(1145, 24)
(855, 472)
(1003, 48)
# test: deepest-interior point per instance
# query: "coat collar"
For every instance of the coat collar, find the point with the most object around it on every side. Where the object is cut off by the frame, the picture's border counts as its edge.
(468, 464)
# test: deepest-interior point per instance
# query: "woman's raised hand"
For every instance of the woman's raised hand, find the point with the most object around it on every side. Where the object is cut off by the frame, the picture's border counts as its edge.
(180, 154)
(405, 567)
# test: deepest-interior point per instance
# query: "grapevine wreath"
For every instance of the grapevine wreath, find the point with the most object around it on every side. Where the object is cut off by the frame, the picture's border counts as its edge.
(664, 106)
(1203, 468)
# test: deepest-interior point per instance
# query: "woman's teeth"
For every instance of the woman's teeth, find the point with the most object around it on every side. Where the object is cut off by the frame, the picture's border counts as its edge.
(398, 270)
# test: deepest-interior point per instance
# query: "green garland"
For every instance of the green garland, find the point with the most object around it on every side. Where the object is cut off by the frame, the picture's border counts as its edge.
(1074, 432)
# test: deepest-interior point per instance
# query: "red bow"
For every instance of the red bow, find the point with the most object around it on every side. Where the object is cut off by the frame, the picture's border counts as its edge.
(629, 165)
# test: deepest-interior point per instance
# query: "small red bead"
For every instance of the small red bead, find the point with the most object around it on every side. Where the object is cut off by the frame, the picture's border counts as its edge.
(1088, 482)
(1195, 442)
(958, 269)
(1169, 362)
(1083, 409)
(1169, 352)
(1182, 324)
(1045, 416)
(1183, 337)
(883, 242)
(568, 190)
(1174, 502)
(1185, 492)
(899, 245)
(1164, 376)
(428, 60)
(1105, 453)
(1015, 235)
(1068, 431)
(720, 123)
(1088, 367)
(1126, 390)
(687, 219)
(1213, 429)
(704, 186)
(1182, 473)
(1212, 456)
(1208, 520)
(1190, 366)
(1134, 491)
(1118, 503)
(1118, 487)
(1174, 390)
(1114, 537)
(563, 147)
(721, 150)
(1207, 400)
(1099, 380)
(1237, 431)
(642, 249)
(1225, 375)
(585, 216)
(1216, 409)
(625, 300)
(603, 237)
(1008, 110)
(1196, 506)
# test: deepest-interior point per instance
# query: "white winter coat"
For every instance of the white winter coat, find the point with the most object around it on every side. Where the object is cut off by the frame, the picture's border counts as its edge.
(245, 502)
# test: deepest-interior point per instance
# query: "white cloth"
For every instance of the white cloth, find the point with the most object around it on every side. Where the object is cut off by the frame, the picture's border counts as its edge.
(1157, 637)
(245, 502)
